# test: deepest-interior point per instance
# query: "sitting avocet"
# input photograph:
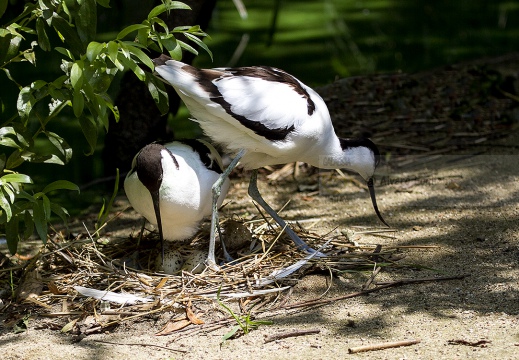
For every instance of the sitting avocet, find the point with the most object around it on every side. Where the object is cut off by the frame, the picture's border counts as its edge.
(170, 185)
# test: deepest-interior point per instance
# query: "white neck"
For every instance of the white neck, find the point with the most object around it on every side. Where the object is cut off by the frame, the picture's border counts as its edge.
(360, 159)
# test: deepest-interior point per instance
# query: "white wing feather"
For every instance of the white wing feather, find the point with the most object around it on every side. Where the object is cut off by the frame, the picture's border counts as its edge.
(274, 104)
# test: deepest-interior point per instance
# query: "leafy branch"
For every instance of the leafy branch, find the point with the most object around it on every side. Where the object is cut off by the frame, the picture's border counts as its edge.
(88, 67)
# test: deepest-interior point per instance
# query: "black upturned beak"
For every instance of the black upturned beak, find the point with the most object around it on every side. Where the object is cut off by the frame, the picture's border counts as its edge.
(374, 200)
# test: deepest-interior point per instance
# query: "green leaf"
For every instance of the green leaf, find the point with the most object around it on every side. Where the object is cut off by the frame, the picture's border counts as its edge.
(142, 35)
(90, 96)
(182, 29)
(129, 29)
(16, 178)
(200, 43)
(105, 100)
(158, 92)
(86, 20)
(78, 102)
(40, 219)
(29, 225)
(162, 24)
(26, 29)
(65, 52)
(113, 49)
(130, 64)
(60, 185)
(60, 211)
(70, 7)
(93, 50)
(104, 3)
(11, 235)
(124, 51)
(10, 190)
(45, 4)
(60, 144)
(10, 143)
(141, 56)
(46, 206)
(9, 45)
(22, 135)
(26, 196)
(6, 140)
(187, 47)
(58, 83)
(7, 130)
(6, 206)
(14, 46)
(100, 80)
(30, 57)
(38, 84)
(76, 75)
(14, 160)
(90, 131)
(157, 10)
(119, 65)
(29, 96)
(2, 162)
(41, 158)
(175, 51)
(230, 333)
(43, 39)
(67, 33)
(25, 102)
(8, 73)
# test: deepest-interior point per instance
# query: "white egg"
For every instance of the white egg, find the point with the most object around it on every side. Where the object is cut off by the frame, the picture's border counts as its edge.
(195, 262)
(172, 262)
(236, 235)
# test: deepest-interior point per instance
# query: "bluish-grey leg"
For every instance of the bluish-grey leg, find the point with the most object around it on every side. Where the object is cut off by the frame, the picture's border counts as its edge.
(215, 223)
(255, 194)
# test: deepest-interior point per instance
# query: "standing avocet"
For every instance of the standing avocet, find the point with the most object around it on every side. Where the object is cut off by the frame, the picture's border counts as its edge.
(266, 117)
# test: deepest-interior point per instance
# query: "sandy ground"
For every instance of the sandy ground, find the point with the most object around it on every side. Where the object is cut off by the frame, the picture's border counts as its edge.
(467, 207)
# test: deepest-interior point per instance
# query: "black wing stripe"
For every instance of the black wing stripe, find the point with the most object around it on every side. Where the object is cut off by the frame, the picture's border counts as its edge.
(204, 154)
(206, 78)
(275, 75)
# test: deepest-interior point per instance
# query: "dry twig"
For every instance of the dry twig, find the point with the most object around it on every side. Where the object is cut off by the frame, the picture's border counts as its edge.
(291, 334)
(381, 346)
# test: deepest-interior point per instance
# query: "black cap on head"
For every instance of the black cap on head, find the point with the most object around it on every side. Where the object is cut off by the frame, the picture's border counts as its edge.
(362, 142)
(367, 143)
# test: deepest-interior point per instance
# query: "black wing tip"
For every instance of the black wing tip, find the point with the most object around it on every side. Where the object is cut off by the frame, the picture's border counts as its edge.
(161, 60)
(204, 153)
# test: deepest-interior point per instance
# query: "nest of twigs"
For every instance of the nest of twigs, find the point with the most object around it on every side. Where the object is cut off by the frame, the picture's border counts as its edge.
(55, 279)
